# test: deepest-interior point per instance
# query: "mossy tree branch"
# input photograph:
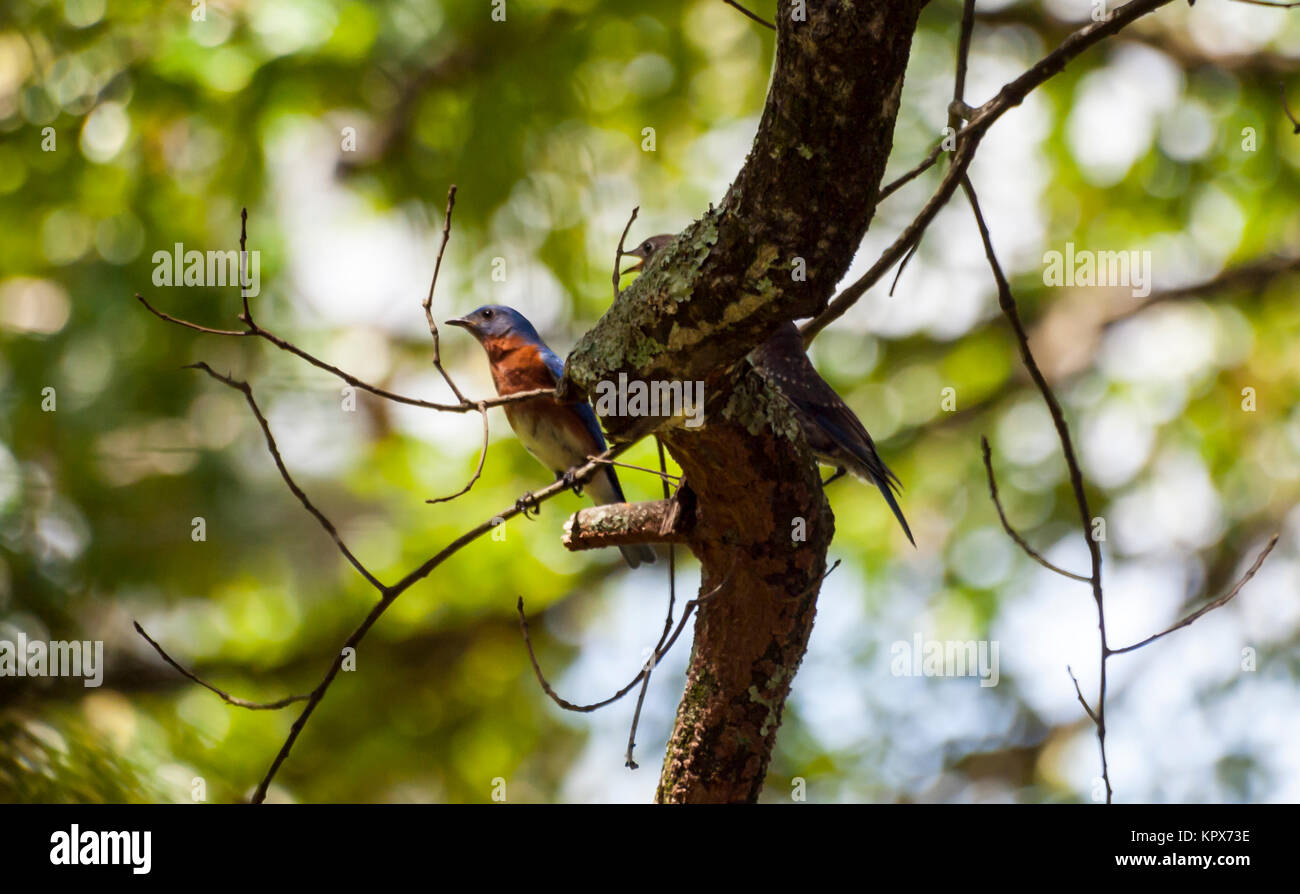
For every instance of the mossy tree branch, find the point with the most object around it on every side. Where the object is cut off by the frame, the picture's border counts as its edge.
(771, 251)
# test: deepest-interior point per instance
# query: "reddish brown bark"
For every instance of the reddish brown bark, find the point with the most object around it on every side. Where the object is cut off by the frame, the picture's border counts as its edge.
(772, 251)
(751, 636)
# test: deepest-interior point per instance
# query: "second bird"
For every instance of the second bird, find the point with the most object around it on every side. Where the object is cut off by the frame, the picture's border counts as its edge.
(834, 432)
(560, 436)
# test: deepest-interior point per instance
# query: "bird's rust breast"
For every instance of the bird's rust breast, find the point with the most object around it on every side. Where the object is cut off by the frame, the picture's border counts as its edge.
(517, 366)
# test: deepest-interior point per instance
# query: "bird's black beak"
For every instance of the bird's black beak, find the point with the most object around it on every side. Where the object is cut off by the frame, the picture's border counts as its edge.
(462, 322)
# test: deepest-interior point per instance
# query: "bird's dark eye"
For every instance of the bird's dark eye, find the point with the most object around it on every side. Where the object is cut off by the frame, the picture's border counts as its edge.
(487, 314)
(646, 246)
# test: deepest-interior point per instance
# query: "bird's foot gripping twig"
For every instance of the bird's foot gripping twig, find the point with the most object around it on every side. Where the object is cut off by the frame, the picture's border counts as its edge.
(528, 506)
(570, 479)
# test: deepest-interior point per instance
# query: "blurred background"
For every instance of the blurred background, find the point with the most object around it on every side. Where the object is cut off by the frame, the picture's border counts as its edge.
(340, 125)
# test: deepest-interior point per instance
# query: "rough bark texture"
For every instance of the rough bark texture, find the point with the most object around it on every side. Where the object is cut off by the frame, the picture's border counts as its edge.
(763, 526)
(772, 251)
(789, 225)
(617, 524)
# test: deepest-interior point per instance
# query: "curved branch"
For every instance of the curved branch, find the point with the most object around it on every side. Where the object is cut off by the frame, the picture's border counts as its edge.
(618, 252)
(660, 651)
(225, 696)
(1079, 692)
(1209, 607)
(482, 458)
(428, 309)
(245, 389)
(1011, 532)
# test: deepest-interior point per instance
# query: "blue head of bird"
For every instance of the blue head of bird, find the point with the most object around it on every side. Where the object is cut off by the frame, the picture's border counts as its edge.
(492, 322)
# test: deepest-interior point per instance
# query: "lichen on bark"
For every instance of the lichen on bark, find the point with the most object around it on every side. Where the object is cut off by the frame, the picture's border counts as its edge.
(806, 193)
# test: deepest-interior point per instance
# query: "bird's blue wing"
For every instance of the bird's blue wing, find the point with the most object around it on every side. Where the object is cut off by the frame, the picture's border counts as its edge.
(588, 417)
(585, 413)
(552, 361)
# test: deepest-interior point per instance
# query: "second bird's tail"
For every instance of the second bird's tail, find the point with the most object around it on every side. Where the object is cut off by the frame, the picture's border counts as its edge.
(637, 553)
(605, 488)
(888, 493)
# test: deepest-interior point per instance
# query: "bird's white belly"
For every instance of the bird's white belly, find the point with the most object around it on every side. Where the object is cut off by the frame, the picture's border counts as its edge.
(545, 439)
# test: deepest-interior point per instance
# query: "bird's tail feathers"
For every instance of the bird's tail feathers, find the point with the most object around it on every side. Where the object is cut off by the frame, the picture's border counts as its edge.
(604, 488)
(872, 468)
(888, 493)
(635, 554)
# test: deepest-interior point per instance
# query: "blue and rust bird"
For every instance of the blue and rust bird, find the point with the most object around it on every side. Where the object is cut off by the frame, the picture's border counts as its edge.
(833, 431)
(561, 436)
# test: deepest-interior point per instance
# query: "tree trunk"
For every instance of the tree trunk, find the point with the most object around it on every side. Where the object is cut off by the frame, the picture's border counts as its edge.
(770, 548)
(773, 251)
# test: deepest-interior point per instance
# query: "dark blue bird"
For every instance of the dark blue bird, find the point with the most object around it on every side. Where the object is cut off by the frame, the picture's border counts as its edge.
(560, 436)
(834, 432)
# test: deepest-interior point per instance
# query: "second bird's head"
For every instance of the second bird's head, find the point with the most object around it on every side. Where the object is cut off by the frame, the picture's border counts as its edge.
(647, 250)
(494, 321)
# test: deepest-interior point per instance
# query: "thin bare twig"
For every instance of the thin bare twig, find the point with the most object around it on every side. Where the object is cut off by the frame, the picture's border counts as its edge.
(1008, 304)
(225, 696)
(482, 458)
(657, 657)
(668, 619)
(903, 266)
(247, 316)
(672, 552)
(284, 345)
(437, 352)
(955, 120)
(967, 139)
(925, 165)
(757, 18)
(245, 389)
(1210, 606)
(1079, 692)
(618, 254)
(168, 318)
(428, 306)
(1011, 532)
(963, 58)
(663, 475)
